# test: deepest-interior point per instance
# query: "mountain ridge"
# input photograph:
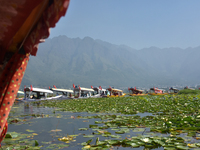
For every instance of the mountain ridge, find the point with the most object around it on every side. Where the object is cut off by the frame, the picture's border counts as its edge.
(63, 61)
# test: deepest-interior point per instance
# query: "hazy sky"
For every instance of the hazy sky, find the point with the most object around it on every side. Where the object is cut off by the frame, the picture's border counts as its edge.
(135, 23)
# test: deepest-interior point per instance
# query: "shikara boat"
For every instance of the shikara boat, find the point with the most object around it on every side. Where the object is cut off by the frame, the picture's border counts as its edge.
(20, 96)
(81, 92)
(111, 92)
(136, 92)
(98, 91)
(156, 91)
(173, 90)
(38, 94)
(66, 93)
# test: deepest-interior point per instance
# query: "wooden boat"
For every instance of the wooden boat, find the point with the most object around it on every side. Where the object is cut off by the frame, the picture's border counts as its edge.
(136, 92)
(81, 92)
(38, 94)
(156, 91)
(66, 93)
(111, 92)
(173, 90)
(98, 91)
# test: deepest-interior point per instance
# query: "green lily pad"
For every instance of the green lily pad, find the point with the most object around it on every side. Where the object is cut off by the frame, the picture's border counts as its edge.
(182, 147)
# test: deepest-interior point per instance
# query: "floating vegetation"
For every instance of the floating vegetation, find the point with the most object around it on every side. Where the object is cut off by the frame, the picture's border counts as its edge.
(168, 121)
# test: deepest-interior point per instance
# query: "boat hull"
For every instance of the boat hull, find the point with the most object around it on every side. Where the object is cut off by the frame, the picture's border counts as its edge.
(158, 93)
(137, 94)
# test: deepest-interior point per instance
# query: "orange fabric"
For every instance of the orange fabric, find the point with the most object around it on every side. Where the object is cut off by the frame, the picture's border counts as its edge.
(10, 82)
(37, 16)
(3, 134)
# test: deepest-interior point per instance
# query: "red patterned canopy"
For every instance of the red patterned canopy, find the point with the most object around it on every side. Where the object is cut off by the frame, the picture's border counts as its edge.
(23, 25)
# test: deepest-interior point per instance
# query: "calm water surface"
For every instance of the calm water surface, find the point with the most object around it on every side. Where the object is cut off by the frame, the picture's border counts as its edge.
(67, 122)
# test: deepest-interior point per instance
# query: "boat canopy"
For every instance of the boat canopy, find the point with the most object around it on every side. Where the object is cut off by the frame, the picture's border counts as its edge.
(156, 89)
(38, 90)
(62, 90)
(134, 89)
(20, 92)
(83, 89)
(99, 88)
(114, 90)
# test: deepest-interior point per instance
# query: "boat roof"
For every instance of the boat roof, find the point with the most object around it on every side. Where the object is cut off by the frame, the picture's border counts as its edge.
(172, 88)
(62, 90)
(38, 90)
(84, 89)
(115, 90)
(20, 92)
(133, 89)
(99, 88)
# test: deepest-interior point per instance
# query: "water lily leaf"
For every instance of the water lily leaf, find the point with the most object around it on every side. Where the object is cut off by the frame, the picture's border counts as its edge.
(101, 143)
(115, 136)
(83, 129)
(170, 148)
(28, 130)
(139, 130)
(159, 142)
(120, 132)
(86, 147)
(182, 147)
(8, 136)
(68, 138)
(84, 143)
(88, 136)
(99, 122)
(192, 145)
(36, 143)
(89, 141)
(134, 145)
(113, 142)
(93, 126)
(56, 130)
(97, 140)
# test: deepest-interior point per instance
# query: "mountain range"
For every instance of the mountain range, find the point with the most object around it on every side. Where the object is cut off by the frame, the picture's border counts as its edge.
(64, 61)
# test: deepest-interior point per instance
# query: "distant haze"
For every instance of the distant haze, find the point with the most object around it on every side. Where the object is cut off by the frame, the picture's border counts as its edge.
(136, 23)
(62, 61)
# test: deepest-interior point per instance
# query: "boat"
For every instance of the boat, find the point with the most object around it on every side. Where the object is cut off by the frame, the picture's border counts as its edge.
(173, 90)
(112, 92)
(188, 88)
(19, 96)
(82, 92)
(66, 93)
(98, 91)
(135, 92)
(37, 94)
(156, 91)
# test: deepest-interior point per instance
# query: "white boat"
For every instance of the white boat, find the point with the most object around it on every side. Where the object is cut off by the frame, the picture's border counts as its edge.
(81, 92)
(66, 93)
(19, 96)
(38, 94)
(98, 91)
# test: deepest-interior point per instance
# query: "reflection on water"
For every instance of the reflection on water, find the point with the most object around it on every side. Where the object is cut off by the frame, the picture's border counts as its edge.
(44, 121)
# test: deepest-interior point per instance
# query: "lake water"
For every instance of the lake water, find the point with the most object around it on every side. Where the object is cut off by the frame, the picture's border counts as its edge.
(49, 124)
